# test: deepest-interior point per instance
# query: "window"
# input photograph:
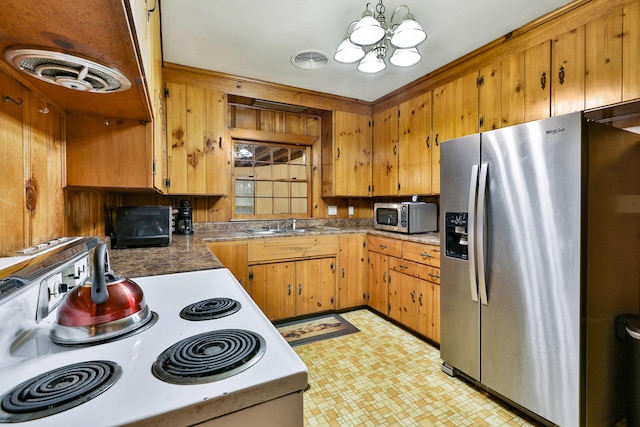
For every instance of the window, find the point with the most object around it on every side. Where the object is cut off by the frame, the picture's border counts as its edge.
(270, 180)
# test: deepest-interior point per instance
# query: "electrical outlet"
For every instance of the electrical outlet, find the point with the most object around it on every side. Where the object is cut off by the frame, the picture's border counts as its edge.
(332, 210)
(351, 210)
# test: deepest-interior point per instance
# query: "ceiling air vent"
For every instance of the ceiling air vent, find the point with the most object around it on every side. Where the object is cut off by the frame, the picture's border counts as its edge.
(309, 60)
(68, 71)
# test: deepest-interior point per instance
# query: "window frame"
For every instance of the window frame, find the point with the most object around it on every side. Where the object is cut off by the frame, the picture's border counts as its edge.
(272, 145)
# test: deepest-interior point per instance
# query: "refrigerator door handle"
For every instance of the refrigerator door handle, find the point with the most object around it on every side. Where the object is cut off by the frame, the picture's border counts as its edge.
(482, 190)
(471, 226)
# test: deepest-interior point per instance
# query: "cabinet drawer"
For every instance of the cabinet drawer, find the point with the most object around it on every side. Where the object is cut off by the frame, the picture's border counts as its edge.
(385, 246)
(431, 274)
(403, 266)
(283, 248)
(424, 254)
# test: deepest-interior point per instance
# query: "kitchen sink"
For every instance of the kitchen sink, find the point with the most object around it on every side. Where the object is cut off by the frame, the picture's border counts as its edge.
(271, 231)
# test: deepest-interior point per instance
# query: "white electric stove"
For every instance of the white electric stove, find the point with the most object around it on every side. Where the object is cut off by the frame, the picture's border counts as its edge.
(184, 369)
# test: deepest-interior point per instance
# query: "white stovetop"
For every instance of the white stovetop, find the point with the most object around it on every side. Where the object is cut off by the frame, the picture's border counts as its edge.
(138, 396)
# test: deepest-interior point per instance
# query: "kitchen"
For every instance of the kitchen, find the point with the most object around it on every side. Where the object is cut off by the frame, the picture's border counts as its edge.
(69, 199)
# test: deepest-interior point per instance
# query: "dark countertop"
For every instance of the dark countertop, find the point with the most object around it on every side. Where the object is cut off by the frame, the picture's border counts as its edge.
(190, 252)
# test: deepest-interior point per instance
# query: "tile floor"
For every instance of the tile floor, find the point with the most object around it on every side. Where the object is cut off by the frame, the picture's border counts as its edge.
(384, 376)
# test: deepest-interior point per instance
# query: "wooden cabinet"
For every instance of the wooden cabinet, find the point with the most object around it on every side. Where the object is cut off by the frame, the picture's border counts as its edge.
(293, 276)
(567, 72)
(112, 152)
(32, 152)
(233, 255)
(107, 152)
(537, 82)
(414, 146)
(385, 152)
(294, 288)
(489, 97)
(402, 148)
(603, 58)
(631, 52)
(346, 155)
(380, 249)
(410, 273)
(273, 289)
(198, 146)
(352, 271)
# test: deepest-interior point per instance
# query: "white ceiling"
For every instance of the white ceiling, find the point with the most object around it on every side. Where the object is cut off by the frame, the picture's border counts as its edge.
(256, 38)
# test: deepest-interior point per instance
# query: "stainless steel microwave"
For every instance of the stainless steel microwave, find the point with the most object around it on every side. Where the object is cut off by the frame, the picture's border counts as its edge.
(406, 217)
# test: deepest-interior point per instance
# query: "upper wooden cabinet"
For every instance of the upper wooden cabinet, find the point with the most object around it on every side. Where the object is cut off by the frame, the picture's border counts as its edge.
(32, 147)
(603, 58)
(117, 152)
(631, 52)
(402, 148)
(537, 82)
(108, 152)
(198, 145)
(567, 72)
(346, 155)
(414, 145)
(385, 152)
(489, 84)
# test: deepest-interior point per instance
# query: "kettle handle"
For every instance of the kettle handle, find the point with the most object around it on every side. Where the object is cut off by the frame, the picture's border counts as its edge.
(99, 293)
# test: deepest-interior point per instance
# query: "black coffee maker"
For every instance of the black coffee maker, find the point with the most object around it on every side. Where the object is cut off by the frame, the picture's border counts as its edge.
(184, 221)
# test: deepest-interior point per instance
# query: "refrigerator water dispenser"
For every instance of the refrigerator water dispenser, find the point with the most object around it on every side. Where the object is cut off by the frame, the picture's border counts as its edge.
(455, 224)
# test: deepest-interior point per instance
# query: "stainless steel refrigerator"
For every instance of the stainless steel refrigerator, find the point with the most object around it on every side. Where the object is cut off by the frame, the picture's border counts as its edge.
(541, 241)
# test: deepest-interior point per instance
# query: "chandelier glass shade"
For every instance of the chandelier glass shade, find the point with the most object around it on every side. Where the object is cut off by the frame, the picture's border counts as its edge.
(368, 39)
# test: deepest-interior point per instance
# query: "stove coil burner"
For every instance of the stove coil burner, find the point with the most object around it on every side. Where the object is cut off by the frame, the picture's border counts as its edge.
(209, 357)
(58, 390)
(213, 308)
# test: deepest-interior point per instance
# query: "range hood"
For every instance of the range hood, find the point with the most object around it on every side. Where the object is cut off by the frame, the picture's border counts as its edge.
(82, 59)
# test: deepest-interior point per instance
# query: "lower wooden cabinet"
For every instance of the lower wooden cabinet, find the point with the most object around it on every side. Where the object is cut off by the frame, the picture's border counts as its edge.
(352, 271)
(233, 255)
(294, 288)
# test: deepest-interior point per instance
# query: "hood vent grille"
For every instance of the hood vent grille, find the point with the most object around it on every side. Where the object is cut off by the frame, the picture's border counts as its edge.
(68, 71)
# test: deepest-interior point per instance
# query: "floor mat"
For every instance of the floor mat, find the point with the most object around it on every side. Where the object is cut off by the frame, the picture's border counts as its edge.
(314, 329)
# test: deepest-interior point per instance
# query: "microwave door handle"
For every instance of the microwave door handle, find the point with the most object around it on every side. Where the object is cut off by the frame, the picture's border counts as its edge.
(471, 226)
(482, 202)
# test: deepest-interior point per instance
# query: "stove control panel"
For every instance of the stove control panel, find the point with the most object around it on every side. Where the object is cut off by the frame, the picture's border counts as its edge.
(54, 287)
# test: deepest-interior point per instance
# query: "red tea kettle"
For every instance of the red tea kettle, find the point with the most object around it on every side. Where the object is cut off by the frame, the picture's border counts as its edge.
(104, 307)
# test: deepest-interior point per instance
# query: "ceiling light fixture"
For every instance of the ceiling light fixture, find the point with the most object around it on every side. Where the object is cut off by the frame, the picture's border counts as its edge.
(372, 33)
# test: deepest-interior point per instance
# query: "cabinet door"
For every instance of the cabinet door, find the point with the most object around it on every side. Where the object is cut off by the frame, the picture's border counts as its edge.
(352, 273)
(567, 85)
(489, 98)
(378, 282)
(108, 152)
(428, 310)
(233, 256)
(403, 298)
(273, 289)
(414, 157)
(198, 155)
(385, 152)
(12, 152)
(463, 100)
(512, 92)
(537, 82)
(352, 154)
(315, 285)
(631, 52)
(441, 132)
(603, 57)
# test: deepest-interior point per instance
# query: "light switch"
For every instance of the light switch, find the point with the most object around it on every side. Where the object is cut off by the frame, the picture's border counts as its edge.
(350, 210)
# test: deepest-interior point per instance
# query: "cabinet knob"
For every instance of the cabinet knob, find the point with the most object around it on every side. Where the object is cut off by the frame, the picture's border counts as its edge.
(427, 142)
(299, 288)
(420, 298)
(543, 80)
(413, 296)
(561, 74)
(289, 289)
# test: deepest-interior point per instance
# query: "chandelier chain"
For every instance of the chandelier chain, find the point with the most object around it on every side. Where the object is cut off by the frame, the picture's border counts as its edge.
(380, 12)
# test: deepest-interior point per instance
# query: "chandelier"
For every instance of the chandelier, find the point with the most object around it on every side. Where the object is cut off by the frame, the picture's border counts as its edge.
(372, 33)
